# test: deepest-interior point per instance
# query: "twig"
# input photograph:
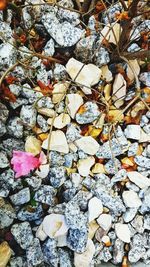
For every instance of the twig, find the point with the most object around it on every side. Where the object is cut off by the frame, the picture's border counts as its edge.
(123, 4)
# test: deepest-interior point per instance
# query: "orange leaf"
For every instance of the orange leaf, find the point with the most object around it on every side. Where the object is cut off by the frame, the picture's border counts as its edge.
(45, 88)
(6, 94)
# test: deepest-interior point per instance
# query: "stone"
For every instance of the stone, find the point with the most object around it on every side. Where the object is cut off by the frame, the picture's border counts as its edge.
(106, 73)
(34, 182)
(61, 121)
(101, 56)
(119, 89)
(109, 33)
(105, 221)
(3, 160)
(144, 137)
(59, 92)
(40, 234)
(135, 69)
(57, 176)
(93, 226)
(133, 131)
(84, 49)
(15, 128)
(138, 179)
(105, 255)
(50, 252)
(85, 75)
(143, 162)
(22, 197)
(87, 113)
(47, 112)
(2, 128)
(54, 225)
(88, 144)
(118, 251)
(5, 254)
(84, 259)
(64, 258)
(49, 48)
(23, 234)
(72, 133)
(43, 124)
(6, 182)
(129, 215)
(123, 232)
(58, 142)
(7, 214)
(98, 168)
(34, 253)
(45, 102)
(137, 223)
(28, 115)
(145, 78)
(45, 194)
(30, 213)
(77, 239)
(7, 55)
(73, 102)
(4, 113)
(95, 208)
(84, 165)
(33, 145)
(131, 199)
(30, 93)
(147, 221)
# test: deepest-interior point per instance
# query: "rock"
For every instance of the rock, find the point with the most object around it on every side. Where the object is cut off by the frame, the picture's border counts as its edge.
(95, 208)
(61, 121)
(105, 255)
(111, 35)
(98, 168)
(23, 234)
(64, 258)
(50, 252)
(77, 239)
(34, 182)
(43, 124)
(34, 253)
(17, 262)
(87, 113)
(3, 113)
(49, 48)
(123, 232)
(101, 57)
(105, 221)
(58, 142)
(133, 131)
(84, 259)
(30, 213)
(129, 215)
(47, 112)
(118, 251)
(3, 160)
(131, 199)
(59, 92)
(2, 128)
(65, 34)
(57, 176)
(33, 145)
(45, 102)
(137, 223)
(144, 137)
(84, 49)
(93, 226)
(40, 234)
(7, 214)
(45, 194)
(74, 101)
(15, 128)
(7, 55)
(86, 75)
(135, 69)
(145, 78)
(54, 225)
(88, 144)
(5, 254)
(84, 165)
(138, 179)
(147, 221)
(28, 115)
(6, 182)
(106, 73)
(22, 197)
(31, 94)
(143, 162)
(72, 133)
(119, 89)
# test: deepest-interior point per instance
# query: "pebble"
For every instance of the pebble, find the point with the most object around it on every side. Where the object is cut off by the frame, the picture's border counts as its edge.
(105, 221)
(49, 48)
(22, 197)
(40, 234)
(2, 128)
(45, 194)
(131, 199)
(5, 254)
(119, 89)
(142, 161)
(33, 145)
(23, 234)
(34, 253)
(138, 179)
(147, 221)
(118, 251)
(46, 112)
(84, 49)
(73, 102)
(59, 92)
(43, 124)
(7, 55)
(84, 165)
(7, 214)
(101, 56)
(86, 75)
(88, 113)
(3, 160)
(123, 232)
(95, 208)
(106, 73)
(15, 128)
(133, 131)
(50, 252)
(57, 176)
(30, 213)
(54, 225)
(4, 113)
(129, 215)
(28, 115)
(84, 259)
(88, 144)
(58, 142)
(62, 121)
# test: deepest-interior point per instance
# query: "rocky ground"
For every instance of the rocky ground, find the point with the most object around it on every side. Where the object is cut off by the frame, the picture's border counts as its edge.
(75, 133)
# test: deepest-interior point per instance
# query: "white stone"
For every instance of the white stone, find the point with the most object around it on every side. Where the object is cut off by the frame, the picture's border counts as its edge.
(33, 145)
(123, 232)
(58, 142)
(54, 225)
(106, 73)
(86, 75)
(105, 221)
(43, 171)
(131, 199)
(84, 165)
(73, 102)
(95, 208)
(144, 137)
(48, 112)
(133, 69)
(139, 179)
(40, 234)
(76, 179)
(133, 131)
(59, 92)
(84, 259)
(61, 121)
(62, 241)
(73, 147)
(119, 88)
(88, 144)
(112, 33)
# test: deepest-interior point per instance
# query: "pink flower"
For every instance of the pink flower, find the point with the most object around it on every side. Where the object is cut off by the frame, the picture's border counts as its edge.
(24, 162)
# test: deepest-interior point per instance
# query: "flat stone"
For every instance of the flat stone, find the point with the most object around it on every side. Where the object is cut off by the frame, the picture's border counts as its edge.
(5, 254)
(74, 101)
(133, 131)
(95, 208)
(123, 232)
(59, 92)
(22, 197)
(84, 259)
(87, 113)
(106, 73)
(88, 144)
(84, 165)
(45, 194)
(119, 89)
(140, 180)
(58, 142)
(23, 234)
(131, 199)
(62, 121)
(3, 160)
(135, 69)
(54, 225)
(33, 145)
(105, 221)
(34, 253)
(48, 112)
(28, 115)
(86, 75)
